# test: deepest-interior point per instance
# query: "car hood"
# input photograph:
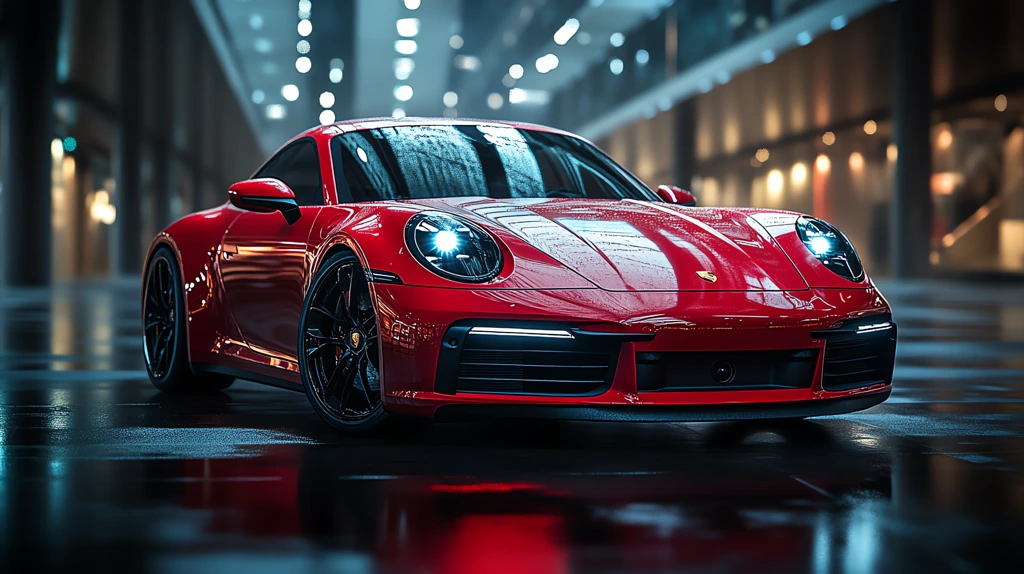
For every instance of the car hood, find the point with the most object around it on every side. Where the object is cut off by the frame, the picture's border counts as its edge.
(637, 245)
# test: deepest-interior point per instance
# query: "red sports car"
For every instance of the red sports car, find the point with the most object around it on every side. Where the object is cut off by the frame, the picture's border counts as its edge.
(452, 269)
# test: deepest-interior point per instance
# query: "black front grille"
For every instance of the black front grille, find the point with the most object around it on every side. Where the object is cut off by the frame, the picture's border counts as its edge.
(532, 371)
(701, 371)
(860, 353)
(858, 360)
(580, 363)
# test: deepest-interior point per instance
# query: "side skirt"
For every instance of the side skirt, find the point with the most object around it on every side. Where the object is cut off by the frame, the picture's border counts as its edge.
(246, 375)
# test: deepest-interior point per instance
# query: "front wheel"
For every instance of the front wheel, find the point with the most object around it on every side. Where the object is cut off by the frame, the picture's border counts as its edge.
(339, 354)
(164, 337)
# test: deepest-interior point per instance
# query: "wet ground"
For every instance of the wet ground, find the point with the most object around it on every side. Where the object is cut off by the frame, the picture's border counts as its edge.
(100, 471)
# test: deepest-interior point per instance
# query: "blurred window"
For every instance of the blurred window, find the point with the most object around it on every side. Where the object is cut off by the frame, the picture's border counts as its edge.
(412, 162)
(298, 167)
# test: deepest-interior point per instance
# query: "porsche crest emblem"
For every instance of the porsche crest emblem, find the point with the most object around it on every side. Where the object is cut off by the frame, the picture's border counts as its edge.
(356, 338)
(707, 276)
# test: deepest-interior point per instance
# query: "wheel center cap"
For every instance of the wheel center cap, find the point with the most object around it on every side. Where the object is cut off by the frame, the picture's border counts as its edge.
(355, 340)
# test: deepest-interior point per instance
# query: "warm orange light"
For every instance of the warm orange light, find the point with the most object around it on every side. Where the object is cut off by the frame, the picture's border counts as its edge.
(822, 164)
(856, 162)
(798, 174)
(761, 155)
(945, 139)
(870, 127)
(775, 183)
(828, 138)
(891, 152)
(1000, 103)
(945, 183)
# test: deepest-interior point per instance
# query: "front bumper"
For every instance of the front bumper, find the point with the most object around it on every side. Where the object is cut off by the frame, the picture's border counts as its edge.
(417, 323)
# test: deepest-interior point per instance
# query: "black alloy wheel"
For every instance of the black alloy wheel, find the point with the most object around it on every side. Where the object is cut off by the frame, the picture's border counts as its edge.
(165, 341)
(339, 354)
(159, 309)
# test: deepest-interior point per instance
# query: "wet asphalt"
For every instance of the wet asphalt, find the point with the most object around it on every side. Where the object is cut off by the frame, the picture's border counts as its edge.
(101, 472)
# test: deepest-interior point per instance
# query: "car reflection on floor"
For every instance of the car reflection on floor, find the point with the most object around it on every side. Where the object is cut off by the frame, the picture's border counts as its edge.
(99, 471)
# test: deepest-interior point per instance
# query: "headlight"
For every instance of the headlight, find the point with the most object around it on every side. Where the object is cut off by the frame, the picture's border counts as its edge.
(831, 247)
(453, 247)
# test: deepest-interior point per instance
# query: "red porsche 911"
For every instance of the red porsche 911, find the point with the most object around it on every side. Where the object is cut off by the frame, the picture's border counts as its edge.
(453, 269)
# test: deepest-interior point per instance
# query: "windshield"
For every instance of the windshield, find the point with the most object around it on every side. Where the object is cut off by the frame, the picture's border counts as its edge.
(412, 162)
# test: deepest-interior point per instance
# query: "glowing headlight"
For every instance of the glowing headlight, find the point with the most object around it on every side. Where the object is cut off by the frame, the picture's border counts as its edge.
(830, 247)
(453, 247)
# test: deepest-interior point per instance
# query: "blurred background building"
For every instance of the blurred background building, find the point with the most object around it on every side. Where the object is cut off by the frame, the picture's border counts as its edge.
(901, 122)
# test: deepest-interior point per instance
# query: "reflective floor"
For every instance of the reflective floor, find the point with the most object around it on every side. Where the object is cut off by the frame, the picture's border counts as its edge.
(99, 471)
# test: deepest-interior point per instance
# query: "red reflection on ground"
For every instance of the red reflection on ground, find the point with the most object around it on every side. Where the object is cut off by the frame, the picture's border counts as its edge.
(484, 487)
(506, 544)
(259, 495)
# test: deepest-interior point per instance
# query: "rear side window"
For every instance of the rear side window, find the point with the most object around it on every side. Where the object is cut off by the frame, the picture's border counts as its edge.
(298, 166)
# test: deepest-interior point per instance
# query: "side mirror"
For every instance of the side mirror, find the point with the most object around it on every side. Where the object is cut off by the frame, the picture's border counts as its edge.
(673, 194)
(265, 196)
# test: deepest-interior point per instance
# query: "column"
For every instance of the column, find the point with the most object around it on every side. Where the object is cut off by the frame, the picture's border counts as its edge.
(30, 68)
(911, 219)
(128, 227)
(685, 143)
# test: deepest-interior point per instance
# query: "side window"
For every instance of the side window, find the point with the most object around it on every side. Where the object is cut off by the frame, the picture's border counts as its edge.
(299, 168)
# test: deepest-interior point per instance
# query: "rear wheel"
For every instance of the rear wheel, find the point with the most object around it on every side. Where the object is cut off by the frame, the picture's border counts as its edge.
(339, 355)
(164, 336)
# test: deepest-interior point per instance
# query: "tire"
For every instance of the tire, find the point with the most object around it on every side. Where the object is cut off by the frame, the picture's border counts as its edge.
(338, 350)
(165, 341)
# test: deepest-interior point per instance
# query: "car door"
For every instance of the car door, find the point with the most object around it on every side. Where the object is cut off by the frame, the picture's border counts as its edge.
(263, 260)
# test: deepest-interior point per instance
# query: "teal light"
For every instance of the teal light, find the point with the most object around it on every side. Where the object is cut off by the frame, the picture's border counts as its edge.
(70, 144)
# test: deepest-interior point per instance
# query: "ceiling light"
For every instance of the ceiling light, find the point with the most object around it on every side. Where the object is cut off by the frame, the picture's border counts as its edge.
(642, 57)
(508, 81)
(258, 96)
(407, 47)
(290, 92)
(256, 22)
(403, 68)
(412, 4)
(567, 31)
(516, 71)
(521, 96)
(327, 99)
(468, 63)
(455, 42)
(838, 23)
(408, 27)
(305, 7)
(305, 28)
(583, 38)
(398, 114)
(495, 101)
(451, 99)
(276, 112)
(617, 39)
(335, 75)
(547, 63)
(263, 45)
(403, 93)
(616, 66)
(326, 117)
(804, 38)
(302, 64)
(302, 47)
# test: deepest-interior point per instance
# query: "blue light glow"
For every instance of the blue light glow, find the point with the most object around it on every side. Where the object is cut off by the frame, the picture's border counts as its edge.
(820, 245)
(446, 241)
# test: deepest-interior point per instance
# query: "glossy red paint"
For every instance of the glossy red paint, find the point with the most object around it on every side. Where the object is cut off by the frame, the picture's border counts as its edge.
(621, 266)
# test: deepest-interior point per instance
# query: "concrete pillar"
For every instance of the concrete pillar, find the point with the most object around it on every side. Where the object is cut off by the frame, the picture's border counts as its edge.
(30, 77)
(685, 143)
(128, 226)
(163, 103)
(911, 220)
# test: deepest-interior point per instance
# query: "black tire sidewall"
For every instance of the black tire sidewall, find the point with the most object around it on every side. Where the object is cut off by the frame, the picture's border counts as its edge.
(179, 371)
(380, 417)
